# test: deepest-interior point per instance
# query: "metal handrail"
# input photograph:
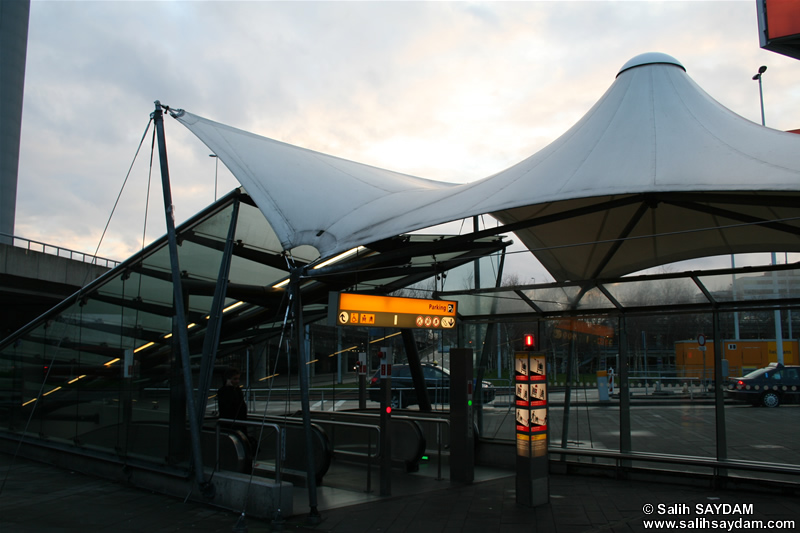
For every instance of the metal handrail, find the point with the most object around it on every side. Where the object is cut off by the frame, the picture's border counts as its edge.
(59, 251)
(279, 450)
(369, 455)
(438, 421)
(686, 460)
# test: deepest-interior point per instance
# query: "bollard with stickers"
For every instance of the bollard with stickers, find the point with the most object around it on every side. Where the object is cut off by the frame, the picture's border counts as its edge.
(530, 399)
(385, 356)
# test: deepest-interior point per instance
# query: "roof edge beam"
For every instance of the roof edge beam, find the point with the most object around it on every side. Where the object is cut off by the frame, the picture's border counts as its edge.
(726, 213)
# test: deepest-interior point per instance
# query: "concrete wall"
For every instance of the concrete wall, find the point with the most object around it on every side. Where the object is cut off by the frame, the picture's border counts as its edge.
(20, 262)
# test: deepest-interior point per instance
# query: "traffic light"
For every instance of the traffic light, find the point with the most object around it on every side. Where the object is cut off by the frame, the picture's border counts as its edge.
(529, 341)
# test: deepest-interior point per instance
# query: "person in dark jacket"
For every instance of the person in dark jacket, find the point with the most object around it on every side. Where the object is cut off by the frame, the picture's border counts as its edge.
(231, 405)
(230, 398)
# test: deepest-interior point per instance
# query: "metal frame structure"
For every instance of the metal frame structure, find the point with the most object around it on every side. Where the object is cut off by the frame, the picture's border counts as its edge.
(526, 306)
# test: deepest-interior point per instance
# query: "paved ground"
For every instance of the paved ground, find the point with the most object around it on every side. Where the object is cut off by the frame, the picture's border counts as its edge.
(37, 498)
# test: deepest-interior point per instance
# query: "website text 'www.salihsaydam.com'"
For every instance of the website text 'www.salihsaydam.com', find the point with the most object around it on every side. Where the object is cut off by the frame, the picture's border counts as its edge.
(711, 516)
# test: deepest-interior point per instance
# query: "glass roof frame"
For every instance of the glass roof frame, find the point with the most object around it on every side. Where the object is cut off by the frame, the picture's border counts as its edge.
(131, 306)
(777, 286)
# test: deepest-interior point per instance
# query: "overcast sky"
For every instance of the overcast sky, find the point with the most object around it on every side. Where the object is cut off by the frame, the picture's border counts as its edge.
(444, 90)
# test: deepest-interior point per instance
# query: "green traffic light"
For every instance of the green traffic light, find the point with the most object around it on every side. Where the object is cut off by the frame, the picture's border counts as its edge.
(469, 403)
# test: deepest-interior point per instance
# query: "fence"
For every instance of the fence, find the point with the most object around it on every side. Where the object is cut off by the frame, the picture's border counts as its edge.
(60, 251)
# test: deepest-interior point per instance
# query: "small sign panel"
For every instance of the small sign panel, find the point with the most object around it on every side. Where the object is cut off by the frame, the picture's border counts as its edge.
(386, 369)
(530, 396)
(367, 310)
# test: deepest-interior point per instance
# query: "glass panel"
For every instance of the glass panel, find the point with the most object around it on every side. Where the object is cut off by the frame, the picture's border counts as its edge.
(101, 373)
(472, 305)
(581, 355)
(761, 411)
(553, 299)
(759, 286)
(671, 390)
(721, 287)
(654, 292)
(595, 299)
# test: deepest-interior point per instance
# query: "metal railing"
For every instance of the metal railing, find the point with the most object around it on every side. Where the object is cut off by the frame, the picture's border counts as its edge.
(369, 427)
(718, 466)
(279, 449)
(438, 422)
(59, 251)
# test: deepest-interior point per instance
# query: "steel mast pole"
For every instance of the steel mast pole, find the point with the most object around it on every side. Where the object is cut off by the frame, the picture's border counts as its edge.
(777, 312)
(180, 316)
(302, 367)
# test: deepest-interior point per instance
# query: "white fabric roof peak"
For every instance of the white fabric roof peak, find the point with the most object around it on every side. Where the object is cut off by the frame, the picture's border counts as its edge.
(654, 132)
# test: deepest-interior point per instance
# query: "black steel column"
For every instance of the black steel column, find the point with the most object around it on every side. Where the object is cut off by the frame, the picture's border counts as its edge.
(489, 348)
(385, 423)
(183, 341)
(302, 364)
(415, 367)
(462, 435)
(214, 325)
(719, 395)
(177, 403)
(568, 388)
(625, 445)
(362, 380)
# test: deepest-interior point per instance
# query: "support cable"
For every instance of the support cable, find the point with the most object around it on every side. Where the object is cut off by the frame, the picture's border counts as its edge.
(119, 196)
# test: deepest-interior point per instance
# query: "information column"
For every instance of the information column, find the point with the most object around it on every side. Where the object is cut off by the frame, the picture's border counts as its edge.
(530, 398)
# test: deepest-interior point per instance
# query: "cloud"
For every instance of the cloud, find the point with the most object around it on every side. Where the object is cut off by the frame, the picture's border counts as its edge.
(445, 90)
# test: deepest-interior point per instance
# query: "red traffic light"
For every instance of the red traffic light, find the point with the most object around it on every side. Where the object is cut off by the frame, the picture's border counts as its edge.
(388, 409)
(529, 341)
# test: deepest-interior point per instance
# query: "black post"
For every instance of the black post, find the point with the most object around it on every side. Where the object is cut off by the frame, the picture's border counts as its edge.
(311, 480)
(214, 326)
(385, 423)
(462, 435)
(415, 367)
(489, 349)
(362, 381)
(625, 443)
(719, 396)
(568, 388)
(206, 487)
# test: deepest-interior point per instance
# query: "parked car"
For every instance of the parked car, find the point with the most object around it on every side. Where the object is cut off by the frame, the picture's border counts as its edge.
(437, 380)
(770, 386)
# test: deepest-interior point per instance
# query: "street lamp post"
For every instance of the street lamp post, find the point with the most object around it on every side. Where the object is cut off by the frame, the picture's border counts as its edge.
(778, 327)
(761, 70)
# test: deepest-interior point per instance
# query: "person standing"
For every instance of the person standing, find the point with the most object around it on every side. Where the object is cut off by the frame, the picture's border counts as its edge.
(231, 405)
(230, 398)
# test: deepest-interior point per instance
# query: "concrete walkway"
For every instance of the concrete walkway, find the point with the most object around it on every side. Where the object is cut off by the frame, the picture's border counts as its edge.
(38, 498)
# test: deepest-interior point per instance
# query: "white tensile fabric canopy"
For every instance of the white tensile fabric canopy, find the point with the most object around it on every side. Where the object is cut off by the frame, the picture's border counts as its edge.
(656, 172)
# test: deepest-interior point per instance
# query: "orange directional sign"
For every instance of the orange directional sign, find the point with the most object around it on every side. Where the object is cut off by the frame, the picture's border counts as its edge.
(367, 310)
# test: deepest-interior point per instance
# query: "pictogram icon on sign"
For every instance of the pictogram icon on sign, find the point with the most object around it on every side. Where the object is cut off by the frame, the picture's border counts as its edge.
(436, 321)
(420, 321)
(428, 321)
(448, 322)
(343, 317)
